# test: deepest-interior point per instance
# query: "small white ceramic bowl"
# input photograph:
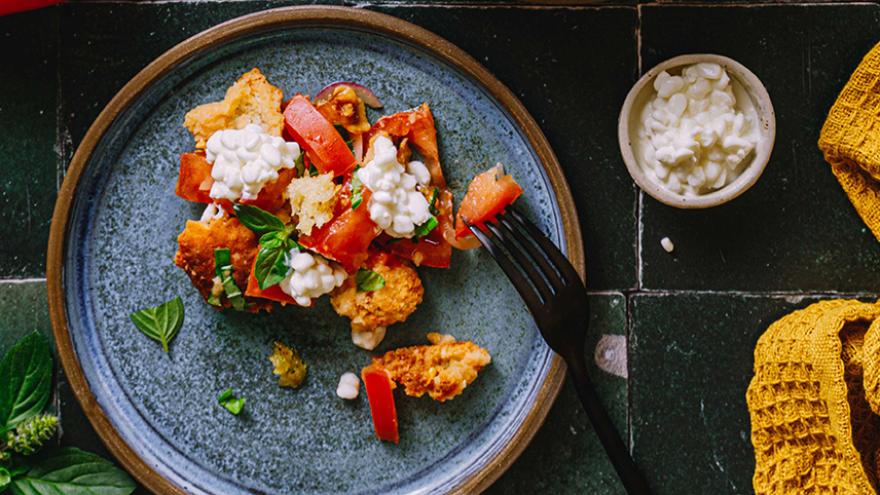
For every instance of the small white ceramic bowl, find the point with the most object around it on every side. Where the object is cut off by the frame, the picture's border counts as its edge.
(641, 93)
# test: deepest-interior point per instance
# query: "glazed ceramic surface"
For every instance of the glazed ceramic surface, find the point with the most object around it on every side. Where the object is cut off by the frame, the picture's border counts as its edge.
(118, 258)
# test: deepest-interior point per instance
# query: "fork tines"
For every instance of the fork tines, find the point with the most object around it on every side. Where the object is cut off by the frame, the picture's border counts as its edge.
(536, 267)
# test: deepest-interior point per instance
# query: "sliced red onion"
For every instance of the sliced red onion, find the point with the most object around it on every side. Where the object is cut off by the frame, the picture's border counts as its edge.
(369, 98)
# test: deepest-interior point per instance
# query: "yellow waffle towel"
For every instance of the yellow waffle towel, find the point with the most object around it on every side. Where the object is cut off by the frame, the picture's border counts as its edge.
(814, 401)
(850, 139)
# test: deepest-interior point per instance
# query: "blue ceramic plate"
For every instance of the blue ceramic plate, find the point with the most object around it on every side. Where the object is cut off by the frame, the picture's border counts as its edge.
(114, 238)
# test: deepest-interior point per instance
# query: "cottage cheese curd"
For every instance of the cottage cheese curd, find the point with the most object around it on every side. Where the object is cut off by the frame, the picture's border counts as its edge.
(312, 276)
(244, 160)
(368, 338)
(697, 130)
(348, 387)
(396, 206)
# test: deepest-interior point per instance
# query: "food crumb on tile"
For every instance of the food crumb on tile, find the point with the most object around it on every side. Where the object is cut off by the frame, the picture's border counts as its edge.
(667, 244)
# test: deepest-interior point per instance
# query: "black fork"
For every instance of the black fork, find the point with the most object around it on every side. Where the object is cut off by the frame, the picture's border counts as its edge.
(557, 299)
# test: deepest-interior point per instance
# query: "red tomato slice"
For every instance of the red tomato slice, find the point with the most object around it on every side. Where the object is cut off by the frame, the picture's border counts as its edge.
(347, 236)
(487, 195)
(380, 393)
(271, 197)
(194, 184)
(273, 293)
(432, 250)
(417, 126)
(194, 180)
(317, 137)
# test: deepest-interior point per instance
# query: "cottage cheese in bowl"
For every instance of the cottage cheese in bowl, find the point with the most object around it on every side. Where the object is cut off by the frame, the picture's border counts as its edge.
(695, 133)
(697, 130)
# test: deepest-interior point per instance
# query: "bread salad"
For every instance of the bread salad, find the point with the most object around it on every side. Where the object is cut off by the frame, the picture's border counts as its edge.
(305, 197)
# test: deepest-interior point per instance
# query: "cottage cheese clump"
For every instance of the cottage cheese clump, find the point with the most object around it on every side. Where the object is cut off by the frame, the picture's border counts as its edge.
(695, 134)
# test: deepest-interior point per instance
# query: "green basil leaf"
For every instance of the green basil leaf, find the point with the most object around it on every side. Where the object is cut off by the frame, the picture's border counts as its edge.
(426, 228)
(73, 472)
(25, 380)
(272, 240)
(357, 196)
(432, 203)
(5, 478)
(300, 164)
(368, 280)
(313, 170)
(271, 266)
(160, 323)
(232, 403)
(257, 219)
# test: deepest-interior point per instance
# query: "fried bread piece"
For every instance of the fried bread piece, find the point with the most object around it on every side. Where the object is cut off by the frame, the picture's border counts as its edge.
(393, 303)
(442, 369)
(195, 255)
(251, 100)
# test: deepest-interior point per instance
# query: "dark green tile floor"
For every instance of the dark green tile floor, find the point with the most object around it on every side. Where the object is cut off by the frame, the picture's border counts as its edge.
(691, 318)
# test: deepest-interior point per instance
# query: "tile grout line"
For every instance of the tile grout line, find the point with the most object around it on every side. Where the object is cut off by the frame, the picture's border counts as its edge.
(628, 300)
(16, 281)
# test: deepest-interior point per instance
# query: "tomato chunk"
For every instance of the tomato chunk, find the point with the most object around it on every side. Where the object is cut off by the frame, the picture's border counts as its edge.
(194, 180)
(487, 196)
(317, 137)
(418, 127)
(273, 293)
(194, 184)
(380, 394)
(347, 236)
(271, 197)
(432, 250)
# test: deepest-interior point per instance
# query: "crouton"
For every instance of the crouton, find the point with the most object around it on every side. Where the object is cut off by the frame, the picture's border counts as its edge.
(195, 255)
(393, 303)
(251, 100)
(442, 369)
(312, 200)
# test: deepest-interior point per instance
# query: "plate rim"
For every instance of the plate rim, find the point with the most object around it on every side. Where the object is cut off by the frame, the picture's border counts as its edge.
(293, 17)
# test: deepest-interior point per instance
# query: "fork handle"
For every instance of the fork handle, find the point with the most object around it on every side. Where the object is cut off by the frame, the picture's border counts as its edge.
(633, 479)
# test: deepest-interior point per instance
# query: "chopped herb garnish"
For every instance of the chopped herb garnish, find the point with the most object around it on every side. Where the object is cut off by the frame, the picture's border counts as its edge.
(232, 403)
(300, 165)
(426, 228)
(160, 323)
(432, 203)
(357, 190)
(313, 170)
(223, 269)
(368, 280)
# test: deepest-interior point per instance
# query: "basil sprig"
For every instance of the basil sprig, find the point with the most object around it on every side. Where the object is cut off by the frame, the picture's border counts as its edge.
(160, 323)
(368, 280)
(229, 401)
(25, 428)
(271, 266)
